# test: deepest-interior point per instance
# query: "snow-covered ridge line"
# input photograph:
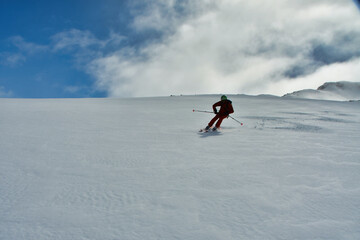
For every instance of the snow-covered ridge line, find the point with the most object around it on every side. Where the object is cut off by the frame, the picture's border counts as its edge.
(337, 91)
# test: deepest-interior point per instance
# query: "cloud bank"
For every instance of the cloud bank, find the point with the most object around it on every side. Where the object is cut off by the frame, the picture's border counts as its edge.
(212, 46)
(234, 46)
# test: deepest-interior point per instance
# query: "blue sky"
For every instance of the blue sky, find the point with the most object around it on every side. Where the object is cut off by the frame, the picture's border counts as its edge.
(357, 2)
(30, 66)
(115, 48)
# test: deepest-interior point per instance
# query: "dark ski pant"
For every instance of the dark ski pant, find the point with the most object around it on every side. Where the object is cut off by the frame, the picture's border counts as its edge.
(219, 119)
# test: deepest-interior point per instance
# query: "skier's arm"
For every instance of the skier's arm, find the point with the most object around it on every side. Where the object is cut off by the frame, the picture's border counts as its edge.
(231, 109)
(216, 105)
(228, 109)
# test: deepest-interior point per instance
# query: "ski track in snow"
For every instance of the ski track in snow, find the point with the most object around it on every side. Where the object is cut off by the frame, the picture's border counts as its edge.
(138, 169)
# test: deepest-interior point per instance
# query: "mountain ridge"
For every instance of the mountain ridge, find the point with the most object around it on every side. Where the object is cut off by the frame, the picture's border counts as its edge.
(336, 91)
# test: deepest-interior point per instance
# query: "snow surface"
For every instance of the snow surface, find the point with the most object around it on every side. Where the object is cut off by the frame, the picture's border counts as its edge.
(138, 169)
(336, 91)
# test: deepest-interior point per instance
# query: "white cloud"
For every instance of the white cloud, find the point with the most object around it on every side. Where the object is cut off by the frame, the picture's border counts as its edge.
(156, 16)
(74, 89)
(165, 15)
(12, 59)
(4, 93)
(233, 46)
(24, 49)
(77, 39)
(27, 47)
(73, 38)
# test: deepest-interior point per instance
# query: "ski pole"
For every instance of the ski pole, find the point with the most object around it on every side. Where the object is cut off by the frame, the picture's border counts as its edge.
(236, 120)
(202, 111)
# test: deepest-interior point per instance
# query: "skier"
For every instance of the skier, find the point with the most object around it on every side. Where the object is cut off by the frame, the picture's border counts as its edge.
(226, 108)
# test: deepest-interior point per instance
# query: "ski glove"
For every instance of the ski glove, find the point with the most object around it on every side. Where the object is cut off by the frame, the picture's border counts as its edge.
(215, 111)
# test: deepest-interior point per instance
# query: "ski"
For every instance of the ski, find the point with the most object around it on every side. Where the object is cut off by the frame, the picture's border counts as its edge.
(203, 130)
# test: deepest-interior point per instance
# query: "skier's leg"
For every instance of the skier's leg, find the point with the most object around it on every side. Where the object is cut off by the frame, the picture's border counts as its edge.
(218, 123)
(213, 120)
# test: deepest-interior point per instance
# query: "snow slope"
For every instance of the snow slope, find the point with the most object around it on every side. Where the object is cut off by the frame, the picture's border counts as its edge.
(138, 169)
(338, 91)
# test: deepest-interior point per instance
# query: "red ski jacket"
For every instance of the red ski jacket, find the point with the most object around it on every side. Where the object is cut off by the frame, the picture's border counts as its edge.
(226, 107)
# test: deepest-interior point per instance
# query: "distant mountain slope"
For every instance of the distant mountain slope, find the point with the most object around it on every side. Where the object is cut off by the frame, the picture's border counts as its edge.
(338, 91)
